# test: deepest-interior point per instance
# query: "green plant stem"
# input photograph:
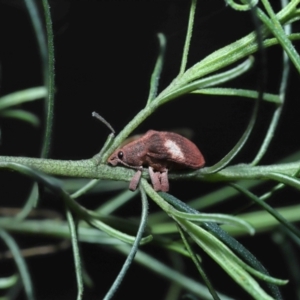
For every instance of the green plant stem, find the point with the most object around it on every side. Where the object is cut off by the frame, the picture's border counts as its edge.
(282, 92)
(276, 28)
(45, 58)
(188, 37)
(133, 250)
(157, 69)
(20, 262)
(88, 169)
(76, 253)
(49, 81)
(281, 220)
(197, 263)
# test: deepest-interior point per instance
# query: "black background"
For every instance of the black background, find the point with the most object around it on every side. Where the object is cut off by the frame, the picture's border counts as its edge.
(104, 55)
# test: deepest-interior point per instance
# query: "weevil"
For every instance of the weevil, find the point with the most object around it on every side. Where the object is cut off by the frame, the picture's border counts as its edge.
(160, 151)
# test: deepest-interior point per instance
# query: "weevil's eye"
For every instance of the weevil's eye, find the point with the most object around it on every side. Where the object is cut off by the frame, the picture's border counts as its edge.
(120, 154)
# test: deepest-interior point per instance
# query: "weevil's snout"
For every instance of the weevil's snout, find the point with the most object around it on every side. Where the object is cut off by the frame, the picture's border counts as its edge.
(115, 158)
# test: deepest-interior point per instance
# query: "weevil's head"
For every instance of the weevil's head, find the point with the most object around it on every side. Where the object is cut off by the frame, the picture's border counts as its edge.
(123, 156)
(118, 157)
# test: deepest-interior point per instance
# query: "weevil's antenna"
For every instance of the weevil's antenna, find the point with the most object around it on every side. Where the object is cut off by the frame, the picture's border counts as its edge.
(109, 140)
(97, 116)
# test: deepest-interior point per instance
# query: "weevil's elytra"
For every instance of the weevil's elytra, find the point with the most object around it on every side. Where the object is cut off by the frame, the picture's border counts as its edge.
(160, 151)
(174, 148)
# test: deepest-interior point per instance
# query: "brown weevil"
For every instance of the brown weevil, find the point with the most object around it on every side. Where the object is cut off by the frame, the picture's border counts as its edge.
(159, 151)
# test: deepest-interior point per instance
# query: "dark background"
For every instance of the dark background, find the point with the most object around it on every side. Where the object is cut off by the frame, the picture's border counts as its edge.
(105, 52)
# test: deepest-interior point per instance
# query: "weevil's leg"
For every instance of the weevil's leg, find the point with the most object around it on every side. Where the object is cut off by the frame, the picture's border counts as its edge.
(164, 181)
(154, 176)
(135, 180)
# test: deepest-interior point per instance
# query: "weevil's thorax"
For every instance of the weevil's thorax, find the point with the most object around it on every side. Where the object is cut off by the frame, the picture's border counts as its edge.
(135, 153)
